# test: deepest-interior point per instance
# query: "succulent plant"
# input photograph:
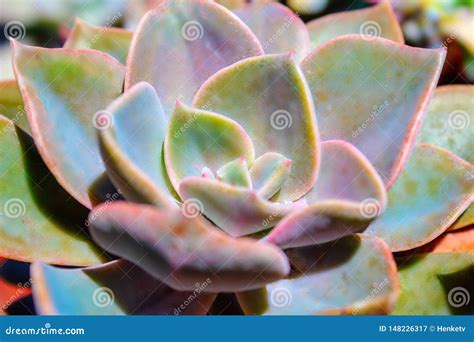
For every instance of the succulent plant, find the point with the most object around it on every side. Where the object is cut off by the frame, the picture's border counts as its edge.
(242, 153)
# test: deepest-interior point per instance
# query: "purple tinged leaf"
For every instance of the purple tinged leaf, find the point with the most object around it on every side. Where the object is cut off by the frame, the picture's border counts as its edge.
(277, 27)
(178, 45)
(180, 249)
(347, 196)
(236, 210)
(373, 90)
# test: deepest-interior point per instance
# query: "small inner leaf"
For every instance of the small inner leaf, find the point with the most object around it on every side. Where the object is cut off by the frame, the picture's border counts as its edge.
(270, 98)
(235, 173)
(198, 139)
(236, 210)
(269, 172)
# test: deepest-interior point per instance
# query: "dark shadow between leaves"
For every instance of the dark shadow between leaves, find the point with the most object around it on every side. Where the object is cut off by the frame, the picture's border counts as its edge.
(319, 258)
(459, 289)
(50, 198)
(138, 293)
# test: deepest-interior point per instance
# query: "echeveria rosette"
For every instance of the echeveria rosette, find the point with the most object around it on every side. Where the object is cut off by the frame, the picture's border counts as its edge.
(222, 136)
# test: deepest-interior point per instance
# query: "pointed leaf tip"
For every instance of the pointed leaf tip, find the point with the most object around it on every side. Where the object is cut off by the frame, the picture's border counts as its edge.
(394, 83)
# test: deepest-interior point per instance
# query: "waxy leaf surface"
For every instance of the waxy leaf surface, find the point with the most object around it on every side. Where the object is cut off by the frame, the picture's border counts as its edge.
(180, 249)
(63, 90)
(373, 93)
(178, 45)
(269, 97)
(434, 189)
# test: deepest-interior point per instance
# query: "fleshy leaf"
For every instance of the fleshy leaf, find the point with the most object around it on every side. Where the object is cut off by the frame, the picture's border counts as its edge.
(198, 139)
(355, 275)
(63, 91)
(449, 242)
(131, 147)
(431, 193)
(269, 97)
(373, 90)
(347, 196)
(235, 173)
(112, 40)
(449, 121)
(115, 288)
(181, 249)
(376, 21)
(178, 45)
(39, 220)
(466, 219)
(446, 281)
(269, 172)
(277, 27)
(11, 104)
(236, 210)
